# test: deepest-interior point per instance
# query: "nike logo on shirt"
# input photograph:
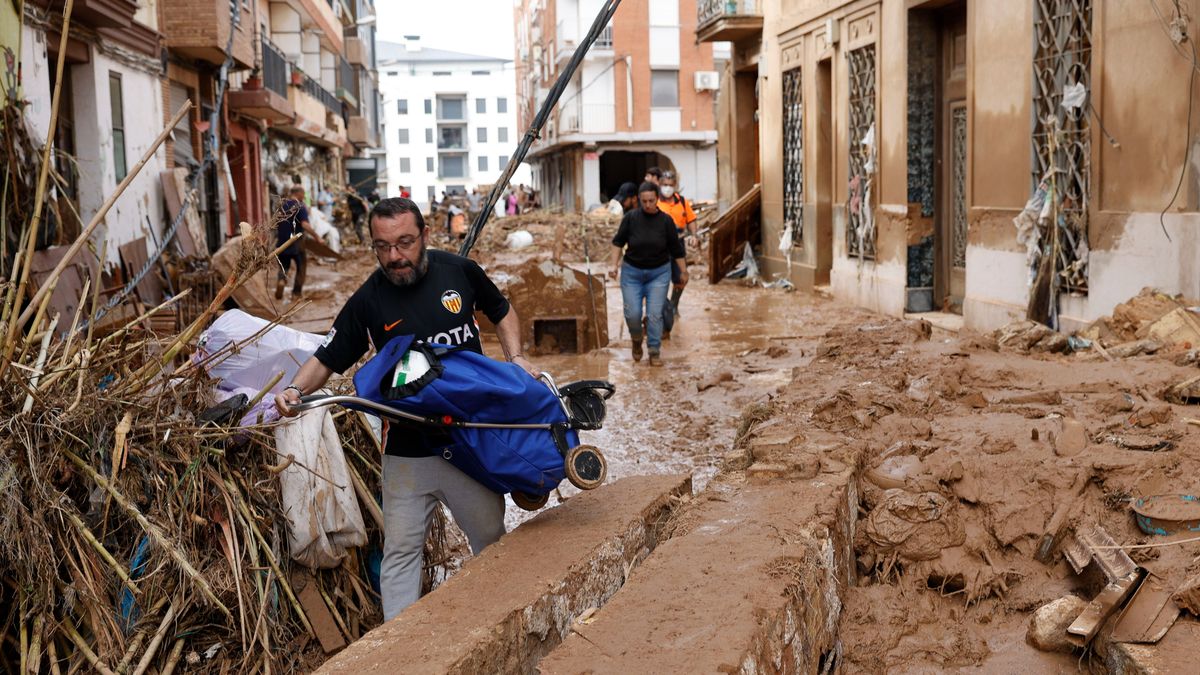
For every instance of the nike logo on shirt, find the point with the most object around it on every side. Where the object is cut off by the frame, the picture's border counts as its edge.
(387, 327)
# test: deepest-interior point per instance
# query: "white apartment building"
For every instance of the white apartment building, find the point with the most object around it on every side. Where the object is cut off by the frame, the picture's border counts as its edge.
(449, 119)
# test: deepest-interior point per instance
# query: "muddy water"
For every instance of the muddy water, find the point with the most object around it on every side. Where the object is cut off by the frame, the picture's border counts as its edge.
(658, 421)
(652, 418)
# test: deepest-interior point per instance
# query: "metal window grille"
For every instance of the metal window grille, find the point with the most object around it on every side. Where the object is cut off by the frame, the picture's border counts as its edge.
(274, 68)
(860, 231)
(793, 152)
(958, 185)
(1062, 56)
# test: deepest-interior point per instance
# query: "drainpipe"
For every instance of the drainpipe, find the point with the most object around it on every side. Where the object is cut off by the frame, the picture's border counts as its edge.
(629, 91)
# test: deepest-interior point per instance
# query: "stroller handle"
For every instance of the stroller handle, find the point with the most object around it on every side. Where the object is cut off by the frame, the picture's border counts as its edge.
(314, 401)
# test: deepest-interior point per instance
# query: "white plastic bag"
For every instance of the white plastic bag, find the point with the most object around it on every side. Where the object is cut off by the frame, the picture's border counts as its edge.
(325, 230)
(518, 240)
(316, 490)
(252, 365)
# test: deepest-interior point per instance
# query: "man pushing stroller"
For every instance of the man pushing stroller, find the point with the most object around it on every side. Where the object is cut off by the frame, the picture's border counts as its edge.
(432, 295)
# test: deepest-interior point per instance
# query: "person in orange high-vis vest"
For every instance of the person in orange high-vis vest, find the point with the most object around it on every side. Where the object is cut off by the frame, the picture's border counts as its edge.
(680, 209)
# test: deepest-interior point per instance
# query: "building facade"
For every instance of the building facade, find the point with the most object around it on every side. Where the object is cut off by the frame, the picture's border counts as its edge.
(931, 155)
(449, 118)
(642, 97)
(281, 91)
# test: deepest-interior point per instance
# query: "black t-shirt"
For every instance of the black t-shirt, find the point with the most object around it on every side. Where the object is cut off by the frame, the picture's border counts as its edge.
(438, 308)
(650, 241)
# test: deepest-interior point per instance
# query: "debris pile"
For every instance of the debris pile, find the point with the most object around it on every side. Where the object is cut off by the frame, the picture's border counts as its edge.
(143, 525)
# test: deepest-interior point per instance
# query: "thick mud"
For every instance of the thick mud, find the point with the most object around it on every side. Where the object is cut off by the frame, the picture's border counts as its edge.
(964, 452)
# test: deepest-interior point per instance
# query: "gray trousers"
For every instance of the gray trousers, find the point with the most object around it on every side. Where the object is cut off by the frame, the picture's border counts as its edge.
(412, 488)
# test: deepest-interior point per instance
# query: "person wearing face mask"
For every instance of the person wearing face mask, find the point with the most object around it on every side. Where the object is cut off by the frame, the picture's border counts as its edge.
(680, 209)
(432, 295)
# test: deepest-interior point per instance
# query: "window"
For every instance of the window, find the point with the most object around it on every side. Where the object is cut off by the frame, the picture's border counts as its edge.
(481, 134)
(502, 134)
(117, 104)
(428, 106)
(793, 153)
(392, 73)
(452, 108)
(429, 164)
(483, 163)
(501, 105)
(405, 165)
(431, 194)
(441, 73)
(480, 72)
(860, 228)
(403, 136)
(402, 106)
(453, 166)
(664, 89)
(453, 137)
(481, 105)
(429, 135)
(503, 161)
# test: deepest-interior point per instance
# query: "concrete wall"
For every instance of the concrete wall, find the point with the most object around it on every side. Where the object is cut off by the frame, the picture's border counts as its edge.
(143, 114)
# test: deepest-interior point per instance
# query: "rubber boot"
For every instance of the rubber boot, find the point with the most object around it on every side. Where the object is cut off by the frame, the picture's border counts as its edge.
(637, 346)
(655, 359)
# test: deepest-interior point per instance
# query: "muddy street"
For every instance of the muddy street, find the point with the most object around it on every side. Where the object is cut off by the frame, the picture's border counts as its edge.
(911, 474)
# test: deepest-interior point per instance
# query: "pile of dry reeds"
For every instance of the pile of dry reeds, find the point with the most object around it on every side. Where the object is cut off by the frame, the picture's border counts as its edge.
(134, 535)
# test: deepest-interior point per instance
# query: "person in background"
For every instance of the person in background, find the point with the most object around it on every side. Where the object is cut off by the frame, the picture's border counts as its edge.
(625, 200)
(325, 203)
(291, 220)
(677, 206)
(358, 211)
(404, 193)
(649, 242)
(510, 203)
(653, 175)
(473, 201)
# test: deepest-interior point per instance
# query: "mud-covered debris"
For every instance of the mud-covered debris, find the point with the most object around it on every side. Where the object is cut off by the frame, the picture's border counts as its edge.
(1033, 397)
(1150, 414)
(1115, 404)
(914, 526)
(1187, 595)
(1142, 442)
(1134, 315)
(1184, 393)
(714, 380)
(1177, 327)
(1048, 625)
(1189, 358)
(1072, 438)
(1135, 348)
(1031, 336)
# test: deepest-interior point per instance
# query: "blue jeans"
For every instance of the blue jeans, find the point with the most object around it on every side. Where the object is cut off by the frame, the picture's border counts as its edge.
(651, 286)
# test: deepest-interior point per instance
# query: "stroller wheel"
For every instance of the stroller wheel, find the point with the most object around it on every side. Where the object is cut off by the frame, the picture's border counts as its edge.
(586, 468)
(530, 502)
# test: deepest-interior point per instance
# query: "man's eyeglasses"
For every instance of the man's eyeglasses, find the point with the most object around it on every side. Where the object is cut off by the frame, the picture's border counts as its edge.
(404, 244)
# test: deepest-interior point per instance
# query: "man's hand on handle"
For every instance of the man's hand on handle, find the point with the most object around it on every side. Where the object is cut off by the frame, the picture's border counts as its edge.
(525, 364)
(284, 401)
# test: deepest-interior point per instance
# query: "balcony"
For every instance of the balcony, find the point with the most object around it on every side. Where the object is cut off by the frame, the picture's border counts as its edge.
(566, 44)
(452, 138)
(356, 52)
(728, 20)
(359, 131)
(347, 79)
(200, 30)
(265, 97)
(315, 90)
(96, 13)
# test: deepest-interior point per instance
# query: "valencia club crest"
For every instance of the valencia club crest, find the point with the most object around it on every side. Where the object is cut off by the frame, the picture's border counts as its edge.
(452, 301)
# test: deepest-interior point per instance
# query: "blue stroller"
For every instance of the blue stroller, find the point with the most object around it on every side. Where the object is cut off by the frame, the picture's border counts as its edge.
(514, 434)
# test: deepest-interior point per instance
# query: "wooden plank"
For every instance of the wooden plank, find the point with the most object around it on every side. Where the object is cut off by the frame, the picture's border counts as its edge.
(133, 258)
(740, 224)
(66, 298)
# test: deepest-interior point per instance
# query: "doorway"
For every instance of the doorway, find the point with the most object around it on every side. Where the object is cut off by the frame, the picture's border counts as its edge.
(622, 166)
(937, 157)
(824, 172)
(950, 218)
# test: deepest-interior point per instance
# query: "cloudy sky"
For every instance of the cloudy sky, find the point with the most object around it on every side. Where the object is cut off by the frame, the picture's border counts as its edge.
(474, 26)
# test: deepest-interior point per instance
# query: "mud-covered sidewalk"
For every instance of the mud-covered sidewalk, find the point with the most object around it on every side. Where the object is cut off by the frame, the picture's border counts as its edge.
(880, 488)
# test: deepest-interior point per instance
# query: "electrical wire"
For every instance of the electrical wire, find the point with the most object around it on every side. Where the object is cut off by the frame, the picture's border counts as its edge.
(1187, 140)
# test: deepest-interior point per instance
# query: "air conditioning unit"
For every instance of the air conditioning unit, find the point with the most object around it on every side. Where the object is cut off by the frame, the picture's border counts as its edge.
(708, 80)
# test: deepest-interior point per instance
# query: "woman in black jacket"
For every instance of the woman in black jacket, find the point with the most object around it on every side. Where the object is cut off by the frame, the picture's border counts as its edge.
(649, 242)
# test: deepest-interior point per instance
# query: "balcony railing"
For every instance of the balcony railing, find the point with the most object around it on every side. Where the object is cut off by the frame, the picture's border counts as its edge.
(605, 41)
(274, 68)
(347, 79)
(314, 89)
(708, 10)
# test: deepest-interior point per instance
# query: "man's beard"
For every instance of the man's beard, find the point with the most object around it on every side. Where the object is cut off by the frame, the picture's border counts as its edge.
(403, 273)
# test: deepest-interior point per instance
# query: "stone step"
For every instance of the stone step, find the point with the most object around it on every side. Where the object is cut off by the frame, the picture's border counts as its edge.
(508, 607)
(748, 583)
